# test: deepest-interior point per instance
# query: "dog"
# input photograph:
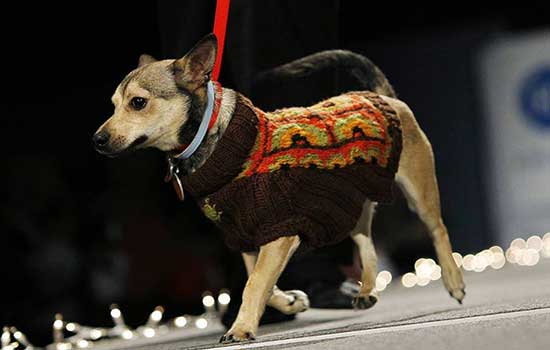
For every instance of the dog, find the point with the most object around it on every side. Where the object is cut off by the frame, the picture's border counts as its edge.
(173, 106)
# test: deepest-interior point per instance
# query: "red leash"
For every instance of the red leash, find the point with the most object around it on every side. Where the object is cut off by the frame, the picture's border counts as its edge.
(220, 26)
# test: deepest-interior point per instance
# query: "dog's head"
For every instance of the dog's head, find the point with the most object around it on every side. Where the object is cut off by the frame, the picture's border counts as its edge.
(155, 102)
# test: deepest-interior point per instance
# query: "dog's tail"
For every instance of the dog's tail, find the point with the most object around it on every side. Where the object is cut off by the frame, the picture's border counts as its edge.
(368, 75)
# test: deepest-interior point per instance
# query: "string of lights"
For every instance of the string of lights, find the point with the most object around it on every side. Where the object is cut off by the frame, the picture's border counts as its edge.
(520, 252)
(83, 337)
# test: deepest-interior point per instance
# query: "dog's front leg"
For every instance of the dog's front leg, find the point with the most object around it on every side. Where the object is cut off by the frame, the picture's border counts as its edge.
(270, 263)
(288, 302)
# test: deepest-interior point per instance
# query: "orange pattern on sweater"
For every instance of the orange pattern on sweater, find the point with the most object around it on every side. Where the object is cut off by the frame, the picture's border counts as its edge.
(331, 134)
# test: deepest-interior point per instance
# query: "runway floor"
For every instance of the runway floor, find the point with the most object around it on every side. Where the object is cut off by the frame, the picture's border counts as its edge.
(503, 309)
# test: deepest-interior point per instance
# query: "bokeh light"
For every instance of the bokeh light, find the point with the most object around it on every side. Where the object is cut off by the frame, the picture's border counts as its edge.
(409, 279)
(546, 245)
(423, 281)
(468, 262)
(149, 332)
(380, 284)
(386, 276)
(436, 273)
(58, 324)
(534, 242)
(458, 259)
(224, 298)
(201, 323)
(95, 334)
(115, 313)
(127, 334)
(180, 321)
(83, 343)
(518, 243)
(156, 315)
(208, 301)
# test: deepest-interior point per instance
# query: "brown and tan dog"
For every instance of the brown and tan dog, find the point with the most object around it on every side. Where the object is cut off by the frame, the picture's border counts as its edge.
(161, 103)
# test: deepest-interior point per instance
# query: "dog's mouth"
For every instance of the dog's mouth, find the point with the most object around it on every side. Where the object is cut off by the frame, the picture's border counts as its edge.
(109, 152)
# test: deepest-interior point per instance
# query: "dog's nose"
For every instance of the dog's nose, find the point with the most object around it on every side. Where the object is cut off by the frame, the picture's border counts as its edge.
(101, 138)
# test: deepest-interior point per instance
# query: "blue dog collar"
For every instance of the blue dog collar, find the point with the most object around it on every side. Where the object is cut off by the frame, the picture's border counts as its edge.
(203, 127)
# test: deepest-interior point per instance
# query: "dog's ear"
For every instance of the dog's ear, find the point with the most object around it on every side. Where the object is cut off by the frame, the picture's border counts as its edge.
(194, 69)
(145, 59)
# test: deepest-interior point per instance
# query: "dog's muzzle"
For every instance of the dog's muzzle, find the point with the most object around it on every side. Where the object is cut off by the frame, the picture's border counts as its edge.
(101, 140)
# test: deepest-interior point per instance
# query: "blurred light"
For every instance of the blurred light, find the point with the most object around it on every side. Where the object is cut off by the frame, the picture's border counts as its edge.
(458, 259)
(63, 346)
(180, 322)
(480, 262)
(425, 268)
(409, 280)
(436, 273)
(83, 343)
(534, 242)
(523, 252)
(380, 284)
(489, 256)
(208, 301)
(6, 337)
(546, 247)
(127, 334)
(224, 298)
(156, 315)
(513, 255)
(530, 257)
(518, 243)
(418, 262)
(58, 324)
(468, 262)
(115, 313)
(498, 261)
(95, 334)
(71, 327)
(19, 336)
(149, 332)
(386, 276)
(201, 323)
(423, 281)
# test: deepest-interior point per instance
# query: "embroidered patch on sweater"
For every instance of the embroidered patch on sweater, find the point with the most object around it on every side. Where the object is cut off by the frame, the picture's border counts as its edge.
(210, 211)
(332, 134)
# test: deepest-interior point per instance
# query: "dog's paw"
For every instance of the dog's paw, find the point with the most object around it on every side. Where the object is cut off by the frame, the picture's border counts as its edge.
(289, 302)
(237, 334)
(299, 302)
(454, 282)
(362, 302)
(458, 294)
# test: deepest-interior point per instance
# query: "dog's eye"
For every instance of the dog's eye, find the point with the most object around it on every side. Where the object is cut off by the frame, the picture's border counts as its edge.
(138, 103)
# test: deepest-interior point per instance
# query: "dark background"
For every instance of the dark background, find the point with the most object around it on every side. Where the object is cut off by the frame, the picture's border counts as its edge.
(79, 231)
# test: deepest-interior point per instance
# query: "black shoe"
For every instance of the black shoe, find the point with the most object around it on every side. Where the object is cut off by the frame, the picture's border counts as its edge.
(325, 296)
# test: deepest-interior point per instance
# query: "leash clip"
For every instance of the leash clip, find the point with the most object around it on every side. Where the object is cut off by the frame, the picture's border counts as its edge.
(173, 176)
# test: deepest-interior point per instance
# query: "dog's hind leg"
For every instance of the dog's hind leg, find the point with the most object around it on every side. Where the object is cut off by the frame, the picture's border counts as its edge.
(288, 302)
(362, 236)
(416, 177)
(270, 263)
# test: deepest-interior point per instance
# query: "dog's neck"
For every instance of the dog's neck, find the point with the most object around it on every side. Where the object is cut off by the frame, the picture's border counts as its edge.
(227, 107)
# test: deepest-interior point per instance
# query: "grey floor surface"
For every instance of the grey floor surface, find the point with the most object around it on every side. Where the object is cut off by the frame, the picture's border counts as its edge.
(503, 309)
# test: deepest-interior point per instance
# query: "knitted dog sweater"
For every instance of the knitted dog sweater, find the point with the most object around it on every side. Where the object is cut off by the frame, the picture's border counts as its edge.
(299, 171)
